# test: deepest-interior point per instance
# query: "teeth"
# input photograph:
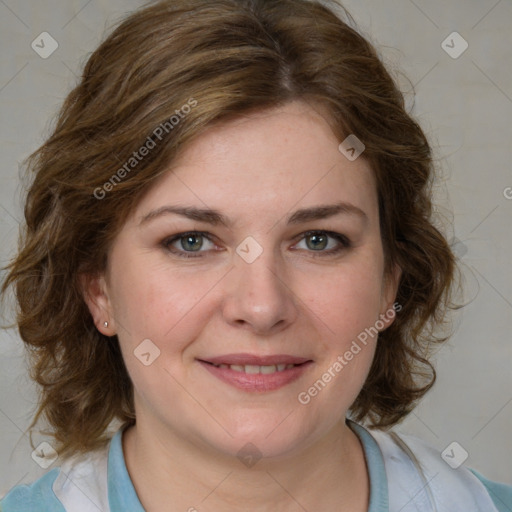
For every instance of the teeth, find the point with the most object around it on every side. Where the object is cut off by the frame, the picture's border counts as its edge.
(253, 369)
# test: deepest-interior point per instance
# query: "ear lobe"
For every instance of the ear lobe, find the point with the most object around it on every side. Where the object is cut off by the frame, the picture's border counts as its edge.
(95, 294)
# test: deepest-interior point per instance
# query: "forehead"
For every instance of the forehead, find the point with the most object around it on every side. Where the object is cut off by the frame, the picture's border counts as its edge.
(264, 164)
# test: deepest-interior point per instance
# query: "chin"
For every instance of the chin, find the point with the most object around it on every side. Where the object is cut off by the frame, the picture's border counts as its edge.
(269, 434)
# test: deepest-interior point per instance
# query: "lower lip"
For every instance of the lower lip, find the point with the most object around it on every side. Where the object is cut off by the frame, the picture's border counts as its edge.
(257, 382)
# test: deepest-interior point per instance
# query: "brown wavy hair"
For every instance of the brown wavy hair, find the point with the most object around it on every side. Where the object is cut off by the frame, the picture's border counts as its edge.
(228, 58)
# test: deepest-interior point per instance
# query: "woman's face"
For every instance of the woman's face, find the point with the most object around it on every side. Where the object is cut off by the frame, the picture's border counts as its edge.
(225, 331)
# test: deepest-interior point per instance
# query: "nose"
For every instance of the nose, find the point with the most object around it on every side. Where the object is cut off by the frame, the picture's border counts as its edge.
(259, 296)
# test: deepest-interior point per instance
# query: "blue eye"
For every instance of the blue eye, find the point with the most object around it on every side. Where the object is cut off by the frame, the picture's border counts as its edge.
(320, 241)
(190, 242)
(193, 241)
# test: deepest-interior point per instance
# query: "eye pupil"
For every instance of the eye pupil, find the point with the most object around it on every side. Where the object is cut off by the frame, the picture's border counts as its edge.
(323, 241)
(194, 246)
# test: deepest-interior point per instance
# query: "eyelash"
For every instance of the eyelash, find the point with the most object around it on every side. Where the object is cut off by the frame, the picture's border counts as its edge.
(345, 243)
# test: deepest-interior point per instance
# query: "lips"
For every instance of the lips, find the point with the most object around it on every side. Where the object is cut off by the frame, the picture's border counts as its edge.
(256, 373)
(253, 368)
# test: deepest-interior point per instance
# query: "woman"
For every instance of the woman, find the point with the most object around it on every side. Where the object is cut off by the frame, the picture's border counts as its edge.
(230, 256)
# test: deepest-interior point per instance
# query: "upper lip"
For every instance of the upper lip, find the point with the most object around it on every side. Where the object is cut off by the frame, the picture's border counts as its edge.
(252, 359)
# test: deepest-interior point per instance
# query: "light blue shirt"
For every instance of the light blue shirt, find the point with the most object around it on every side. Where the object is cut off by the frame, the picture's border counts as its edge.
(120, 496)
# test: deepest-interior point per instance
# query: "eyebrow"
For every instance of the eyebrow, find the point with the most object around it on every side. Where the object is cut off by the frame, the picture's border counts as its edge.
(215, 218)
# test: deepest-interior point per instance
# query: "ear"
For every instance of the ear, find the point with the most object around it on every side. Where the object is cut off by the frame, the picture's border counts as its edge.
(389, 291)
(95, 293)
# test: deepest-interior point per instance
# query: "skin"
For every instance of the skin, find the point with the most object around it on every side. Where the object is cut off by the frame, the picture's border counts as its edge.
(292, 299)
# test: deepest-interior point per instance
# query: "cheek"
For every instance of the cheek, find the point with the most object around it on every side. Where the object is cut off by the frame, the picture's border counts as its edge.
(148, 296)
(169, 307)
(345, 313)
(345, 301)
(163, 306)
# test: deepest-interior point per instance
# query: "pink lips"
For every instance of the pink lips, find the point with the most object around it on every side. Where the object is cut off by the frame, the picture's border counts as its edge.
(256, 382)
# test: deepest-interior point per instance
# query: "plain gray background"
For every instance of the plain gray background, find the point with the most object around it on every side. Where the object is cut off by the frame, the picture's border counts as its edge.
(464, 104)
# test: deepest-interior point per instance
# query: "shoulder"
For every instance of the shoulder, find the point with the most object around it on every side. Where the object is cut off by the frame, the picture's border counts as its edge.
(419, 476)
(500, 493)
(38, 495)
(78, 485)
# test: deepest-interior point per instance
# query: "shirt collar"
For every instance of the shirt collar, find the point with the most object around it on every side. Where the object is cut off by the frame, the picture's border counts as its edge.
(122, 495)
(379, 501)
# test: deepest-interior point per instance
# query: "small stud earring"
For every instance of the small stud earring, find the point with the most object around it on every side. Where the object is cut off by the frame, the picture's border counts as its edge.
(105, 324)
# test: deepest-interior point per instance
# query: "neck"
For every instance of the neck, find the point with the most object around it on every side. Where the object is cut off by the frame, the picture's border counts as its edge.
(330, 474)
